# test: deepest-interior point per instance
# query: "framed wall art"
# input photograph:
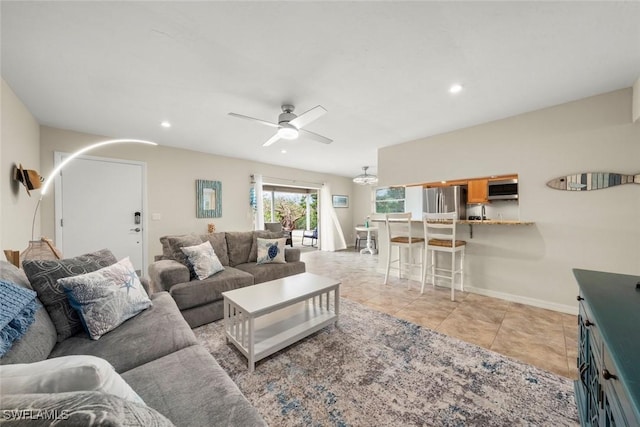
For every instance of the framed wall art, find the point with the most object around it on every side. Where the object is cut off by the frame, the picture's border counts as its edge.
(340, 201)
(208, 199)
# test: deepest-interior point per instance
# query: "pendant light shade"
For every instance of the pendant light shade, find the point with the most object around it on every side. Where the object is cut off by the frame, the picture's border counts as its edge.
(365, 178)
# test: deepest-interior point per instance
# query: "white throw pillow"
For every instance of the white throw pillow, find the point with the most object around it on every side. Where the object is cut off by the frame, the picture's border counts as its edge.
(104, 299)
(271, 251)
(64, 374)
(203, 259)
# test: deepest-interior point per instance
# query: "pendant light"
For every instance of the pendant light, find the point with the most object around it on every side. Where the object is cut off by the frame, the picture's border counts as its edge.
(365, 178)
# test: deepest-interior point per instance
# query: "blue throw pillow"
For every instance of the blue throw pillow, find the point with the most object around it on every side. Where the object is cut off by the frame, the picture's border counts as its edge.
(18, 308)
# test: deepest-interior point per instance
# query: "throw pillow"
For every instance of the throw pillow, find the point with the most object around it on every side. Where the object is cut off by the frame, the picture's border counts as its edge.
(63, 374)
(18, 307)
(176, 243)
(107, 297)
(263, 234)
(271, 251)
(78, 409)
(203, 260)
(43, 276)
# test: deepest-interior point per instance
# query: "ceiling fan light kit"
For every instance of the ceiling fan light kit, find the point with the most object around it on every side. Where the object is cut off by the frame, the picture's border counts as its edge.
(290, 125)
(365, 178)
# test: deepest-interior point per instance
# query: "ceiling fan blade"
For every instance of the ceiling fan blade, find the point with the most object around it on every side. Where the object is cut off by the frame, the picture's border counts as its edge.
(271, 140)
(315, 136)
(264, 122)
(308, 116)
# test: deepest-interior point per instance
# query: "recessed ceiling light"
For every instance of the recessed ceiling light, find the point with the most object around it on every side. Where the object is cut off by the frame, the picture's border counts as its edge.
(165, 124)
(455, 88)
(283, 151)
(443, 182)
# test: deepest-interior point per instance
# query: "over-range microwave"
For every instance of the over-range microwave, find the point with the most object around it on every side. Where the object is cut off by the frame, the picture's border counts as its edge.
(506, 189)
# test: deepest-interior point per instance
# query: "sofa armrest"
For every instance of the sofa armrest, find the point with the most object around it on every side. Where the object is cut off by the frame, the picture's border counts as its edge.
(291, 254)
(166, 273)
(144, 281)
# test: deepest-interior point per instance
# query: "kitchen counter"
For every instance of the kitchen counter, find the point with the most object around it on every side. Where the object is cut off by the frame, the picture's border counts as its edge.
(477, 221)
(495, 222)
(472, 222)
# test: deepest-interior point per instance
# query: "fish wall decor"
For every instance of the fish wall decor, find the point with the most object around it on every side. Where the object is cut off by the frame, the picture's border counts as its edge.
(592, 181)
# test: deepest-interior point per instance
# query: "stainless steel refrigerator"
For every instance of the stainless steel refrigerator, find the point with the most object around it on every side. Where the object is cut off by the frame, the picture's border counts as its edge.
(446, 199)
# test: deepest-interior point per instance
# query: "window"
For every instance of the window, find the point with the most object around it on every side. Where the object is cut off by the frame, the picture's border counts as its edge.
(390, 200)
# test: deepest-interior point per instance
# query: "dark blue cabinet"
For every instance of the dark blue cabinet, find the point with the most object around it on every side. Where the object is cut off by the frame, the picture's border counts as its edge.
(608, 390)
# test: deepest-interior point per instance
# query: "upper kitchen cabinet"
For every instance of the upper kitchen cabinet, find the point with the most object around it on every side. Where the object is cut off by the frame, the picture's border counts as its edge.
(477, 191)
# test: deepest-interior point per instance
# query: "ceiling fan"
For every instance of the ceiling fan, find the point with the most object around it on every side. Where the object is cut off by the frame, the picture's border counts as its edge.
(290, 125)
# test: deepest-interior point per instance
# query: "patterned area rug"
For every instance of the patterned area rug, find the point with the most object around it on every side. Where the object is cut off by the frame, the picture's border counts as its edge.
(377, 370)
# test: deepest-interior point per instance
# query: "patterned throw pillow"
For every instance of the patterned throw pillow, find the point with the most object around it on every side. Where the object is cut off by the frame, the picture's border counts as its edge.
(271, 251)
(203, 260)
(107, 297)
(43, 276)
(176, 243)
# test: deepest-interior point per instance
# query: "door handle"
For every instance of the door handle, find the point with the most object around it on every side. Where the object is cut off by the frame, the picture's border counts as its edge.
(137, 229)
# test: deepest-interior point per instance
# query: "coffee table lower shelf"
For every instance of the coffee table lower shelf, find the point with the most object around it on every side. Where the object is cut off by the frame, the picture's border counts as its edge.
(262, 336)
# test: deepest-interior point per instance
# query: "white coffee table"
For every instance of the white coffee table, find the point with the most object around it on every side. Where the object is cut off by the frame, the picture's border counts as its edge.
(264, 318)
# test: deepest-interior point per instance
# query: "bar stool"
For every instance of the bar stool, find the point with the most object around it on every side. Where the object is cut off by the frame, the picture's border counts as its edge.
(440, 236)
(399, 235)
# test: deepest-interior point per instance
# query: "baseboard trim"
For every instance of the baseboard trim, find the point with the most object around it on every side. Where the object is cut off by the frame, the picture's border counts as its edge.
(568, 309)
(562, 308)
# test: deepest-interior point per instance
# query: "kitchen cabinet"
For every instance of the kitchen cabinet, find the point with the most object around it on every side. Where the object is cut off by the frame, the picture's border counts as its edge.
(477, 191)
(608, 389)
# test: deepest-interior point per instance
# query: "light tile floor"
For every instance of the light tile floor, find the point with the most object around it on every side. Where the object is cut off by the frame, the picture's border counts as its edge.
(543, 338)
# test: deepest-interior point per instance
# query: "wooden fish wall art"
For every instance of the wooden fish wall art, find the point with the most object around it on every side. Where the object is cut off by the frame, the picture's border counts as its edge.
(592, 181)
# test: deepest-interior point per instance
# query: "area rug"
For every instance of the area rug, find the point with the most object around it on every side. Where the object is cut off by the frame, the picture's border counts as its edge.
(373, 369)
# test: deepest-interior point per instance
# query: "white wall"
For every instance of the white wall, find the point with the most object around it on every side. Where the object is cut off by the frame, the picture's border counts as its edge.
(19, 144)
(597, 230)
(171, 175)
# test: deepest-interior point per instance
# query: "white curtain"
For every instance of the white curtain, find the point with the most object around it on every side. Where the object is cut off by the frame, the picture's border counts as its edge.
(330, 231)
(259, 214)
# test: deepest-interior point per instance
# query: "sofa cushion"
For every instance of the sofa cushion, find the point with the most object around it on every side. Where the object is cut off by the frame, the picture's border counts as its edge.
(64, 374)
(107, 297)
(239, 246)
(176, 243)
(265, 272)
(43, 276)
(40, 338)
(198, 292)
(80, 409)
(154, 333)
(203, 260)
(193, 390)
(263, 234)
(271, 251)
(219, 243)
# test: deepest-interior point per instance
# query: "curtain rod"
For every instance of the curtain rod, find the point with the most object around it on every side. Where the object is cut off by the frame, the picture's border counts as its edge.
(291, 182)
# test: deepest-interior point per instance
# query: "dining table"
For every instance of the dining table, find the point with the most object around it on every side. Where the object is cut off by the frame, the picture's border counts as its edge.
(369, 248)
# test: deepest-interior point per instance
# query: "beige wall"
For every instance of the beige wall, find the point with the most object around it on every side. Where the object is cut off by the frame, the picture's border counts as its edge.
(171, 175)
(635, 111)
(597, 230)
(19, 144)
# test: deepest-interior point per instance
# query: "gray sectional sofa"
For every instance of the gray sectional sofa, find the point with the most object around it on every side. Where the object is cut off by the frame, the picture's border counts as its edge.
(155, 352)
(200, 301)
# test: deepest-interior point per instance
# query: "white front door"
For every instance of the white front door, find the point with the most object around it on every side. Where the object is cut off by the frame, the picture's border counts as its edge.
(99, 204)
